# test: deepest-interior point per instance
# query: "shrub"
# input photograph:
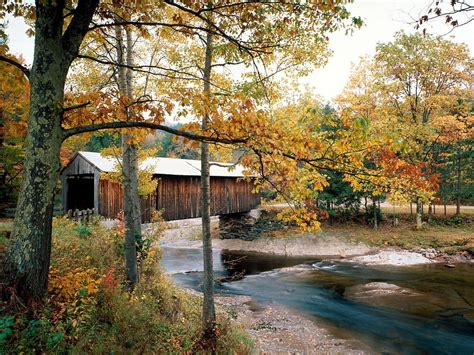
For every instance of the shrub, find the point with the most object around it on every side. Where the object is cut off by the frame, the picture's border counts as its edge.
(88, 310)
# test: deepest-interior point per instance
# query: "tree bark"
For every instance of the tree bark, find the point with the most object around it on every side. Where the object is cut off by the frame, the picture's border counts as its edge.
(131, 200)
(430, 213)
(458, 185)
(366, 210)
(28, 258)
(208, 308)
(418, 214)
(376, 222)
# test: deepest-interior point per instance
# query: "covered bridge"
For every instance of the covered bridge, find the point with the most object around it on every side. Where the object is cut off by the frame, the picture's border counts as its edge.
(177, 193)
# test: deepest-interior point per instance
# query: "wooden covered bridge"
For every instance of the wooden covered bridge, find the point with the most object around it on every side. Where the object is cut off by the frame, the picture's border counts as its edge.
(177, 193)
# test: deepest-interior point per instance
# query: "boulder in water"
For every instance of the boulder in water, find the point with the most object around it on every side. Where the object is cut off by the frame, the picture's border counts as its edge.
(392, 257)
(382, 294)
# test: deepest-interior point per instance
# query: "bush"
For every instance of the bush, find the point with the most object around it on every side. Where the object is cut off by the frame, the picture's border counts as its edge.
(87, 308)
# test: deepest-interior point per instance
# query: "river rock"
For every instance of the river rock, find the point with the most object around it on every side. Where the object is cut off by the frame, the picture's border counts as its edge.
(388, 295)
(469, 316)
(301, 246)
(392, 257)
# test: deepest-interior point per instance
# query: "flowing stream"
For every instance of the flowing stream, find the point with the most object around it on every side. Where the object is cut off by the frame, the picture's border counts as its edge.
(409, 310)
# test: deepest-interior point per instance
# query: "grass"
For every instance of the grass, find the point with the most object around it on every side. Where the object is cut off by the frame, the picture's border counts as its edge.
(439, 210)
(448, 234)
(87, 309)
(450, 239)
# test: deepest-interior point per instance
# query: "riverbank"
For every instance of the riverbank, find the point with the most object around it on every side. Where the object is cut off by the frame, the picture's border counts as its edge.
(388, 245)
(279, 330)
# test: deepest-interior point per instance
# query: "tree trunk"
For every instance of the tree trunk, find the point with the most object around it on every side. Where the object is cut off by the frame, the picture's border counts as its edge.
(131, 199)
(208, 309)
(445, 209)
(430, 213)
(366, 210)
(411, 209)
(28, 258)
(376, 223)
(458, 185)
(418, 214)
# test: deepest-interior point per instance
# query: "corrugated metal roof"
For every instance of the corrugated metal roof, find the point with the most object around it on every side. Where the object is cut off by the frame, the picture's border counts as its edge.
(166, 166)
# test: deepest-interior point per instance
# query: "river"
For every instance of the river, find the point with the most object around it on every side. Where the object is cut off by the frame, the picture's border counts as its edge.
(409, 310)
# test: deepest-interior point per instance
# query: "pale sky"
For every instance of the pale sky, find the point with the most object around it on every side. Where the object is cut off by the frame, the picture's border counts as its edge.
(382, 19)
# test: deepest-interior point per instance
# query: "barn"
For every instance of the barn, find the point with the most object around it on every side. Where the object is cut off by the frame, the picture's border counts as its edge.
(177, 193)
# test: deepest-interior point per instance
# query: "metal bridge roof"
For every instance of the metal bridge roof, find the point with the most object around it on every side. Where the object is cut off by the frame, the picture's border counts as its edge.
(166, 166)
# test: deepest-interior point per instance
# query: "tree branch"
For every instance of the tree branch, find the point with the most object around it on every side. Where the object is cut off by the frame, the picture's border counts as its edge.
(13, 62)
(142, 124)
(77, 29)
(75, 107)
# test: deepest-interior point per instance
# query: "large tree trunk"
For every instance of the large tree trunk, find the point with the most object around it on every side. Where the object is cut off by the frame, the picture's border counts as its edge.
(28, 258)
(208, 309)
(131, 200)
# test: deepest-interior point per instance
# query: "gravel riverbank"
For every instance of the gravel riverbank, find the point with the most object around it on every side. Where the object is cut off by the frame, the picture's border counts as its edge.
(279, 330)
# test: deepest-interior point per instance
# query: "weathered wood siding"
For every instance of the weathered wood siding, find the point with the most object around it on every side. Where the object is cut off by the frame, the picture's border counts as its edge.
(147, 206)
(230, 195)
(77, 169)
(179, 197)
(79, 166)
(110, 199)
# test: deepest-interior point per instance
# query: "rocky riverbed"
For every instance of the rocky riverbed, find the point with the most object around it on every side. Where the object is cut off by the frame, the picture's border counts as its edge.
(278, 329)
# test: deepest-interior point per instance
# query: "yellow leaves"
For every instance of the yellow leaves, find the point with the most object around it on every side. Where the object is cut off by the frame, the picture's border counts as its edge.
(305, 218)
(147, 184)
(77, 283)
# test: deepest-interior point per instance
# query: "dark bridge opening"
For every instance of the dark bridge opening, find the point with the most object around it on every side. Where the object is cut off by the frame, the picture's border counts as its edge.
(80, 192)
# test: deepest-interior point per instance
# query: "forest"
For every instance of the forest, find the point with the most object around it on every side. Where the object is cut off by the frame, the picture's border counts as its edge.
(384, 171)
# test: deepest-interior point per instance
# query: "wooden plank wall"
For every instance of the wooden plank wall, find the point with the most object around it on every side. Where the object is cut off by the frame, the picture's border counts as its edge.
(79, 166)
(110, 199)
(179, 197)
(147, 206)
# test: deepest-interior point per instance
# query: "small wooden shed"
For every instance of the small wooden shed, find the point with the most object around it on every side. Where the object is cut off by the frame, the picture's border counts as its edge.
(177, 193)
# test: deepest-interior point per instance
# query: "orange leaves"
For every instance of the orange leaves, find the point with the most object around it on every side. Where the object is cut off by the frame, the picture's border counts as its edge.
(454, 128)
(14, 102)
(65, 288)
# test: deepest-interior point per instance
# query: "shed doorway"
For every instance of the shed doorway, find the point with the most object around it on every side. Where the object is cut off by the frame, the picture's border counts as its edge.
(80, 192)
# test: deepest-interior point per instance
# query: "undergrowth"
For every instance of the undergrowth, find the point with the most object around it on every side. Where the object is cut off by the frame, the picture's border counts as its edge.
(87, 309)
